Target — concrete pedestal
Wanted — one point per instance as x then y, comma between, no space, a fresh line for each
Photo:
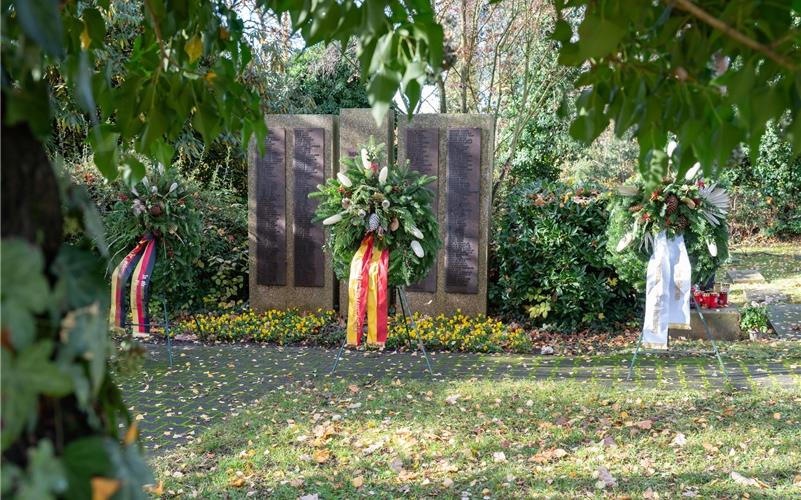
724,324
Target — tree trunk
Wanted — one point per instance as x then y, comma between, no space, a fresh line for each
30,195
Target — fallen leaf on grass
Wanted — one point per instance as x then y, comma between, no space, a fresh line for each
237,482
296,483
396,465
710,448
747,481
644,424
357,481
605,479
452,399
447,482
777,416
679,440
499,457
546,456
313,496
321,456
353,388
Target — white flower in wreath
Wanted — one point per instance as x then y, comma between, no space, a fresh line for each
382,176
417,249
385,204
332,220
625,241
344,179
366,159
416,233
173,187
713,248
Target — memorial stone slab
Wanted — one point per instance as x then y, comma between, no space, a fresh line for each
286,256
356,125
462,161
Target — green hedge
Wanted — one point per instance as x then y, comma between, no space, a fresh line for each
549,254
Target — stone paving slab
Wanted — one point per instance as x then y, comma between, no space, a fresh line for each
745,276
209,384
786,320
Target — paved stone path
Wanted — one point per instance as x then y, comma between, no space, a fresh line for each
786,320
209,384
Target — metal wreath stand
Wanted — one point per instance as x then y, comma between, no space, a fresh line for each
709,336
165,325
406,310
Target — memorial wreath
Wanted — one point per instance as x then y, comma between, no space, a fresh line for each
382,232
676,224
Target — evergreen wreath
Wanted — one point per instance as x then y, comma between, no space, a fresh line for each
688,207
390,201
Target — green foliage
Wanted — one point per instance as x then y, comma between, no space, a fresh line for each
766,190
183,59
548,250
754,318
666,67
394,194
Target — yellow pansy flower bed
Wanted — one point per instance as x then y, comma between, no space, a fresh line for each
458,332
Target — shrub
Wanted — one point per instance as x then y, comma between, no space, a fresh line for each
754,318
766,189
445,333
549,255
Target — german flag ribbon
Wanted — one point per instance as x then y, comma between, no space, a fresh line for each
367,293
138,263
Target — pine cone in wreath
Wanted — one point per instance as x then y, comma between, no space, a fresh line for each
682,223
372,222
635,208
672,203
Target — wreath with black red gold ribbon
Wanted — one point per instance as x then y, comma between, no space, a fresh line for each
382,233
391,202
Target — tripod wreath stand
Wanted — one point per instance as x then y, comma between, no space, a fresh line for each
408,317
709,336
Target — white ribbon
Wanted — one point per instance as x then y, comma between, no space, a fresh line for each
667,291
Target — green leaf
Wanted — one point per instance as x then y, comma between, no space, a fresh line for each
206,122
598,37
24,377
30,104
83,459
95,26
25,291
45,476
41,21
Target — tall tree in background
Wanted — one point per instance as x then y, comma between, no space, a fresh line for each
61,411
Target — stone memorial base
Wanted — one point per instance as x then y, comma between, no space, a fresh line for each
724,324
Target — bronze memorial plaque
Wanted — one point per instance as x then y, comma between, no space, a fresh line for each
271,210
309,171
462,237
422,151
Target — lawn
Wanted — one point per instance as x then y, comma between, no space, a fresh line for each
517,438
779,263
